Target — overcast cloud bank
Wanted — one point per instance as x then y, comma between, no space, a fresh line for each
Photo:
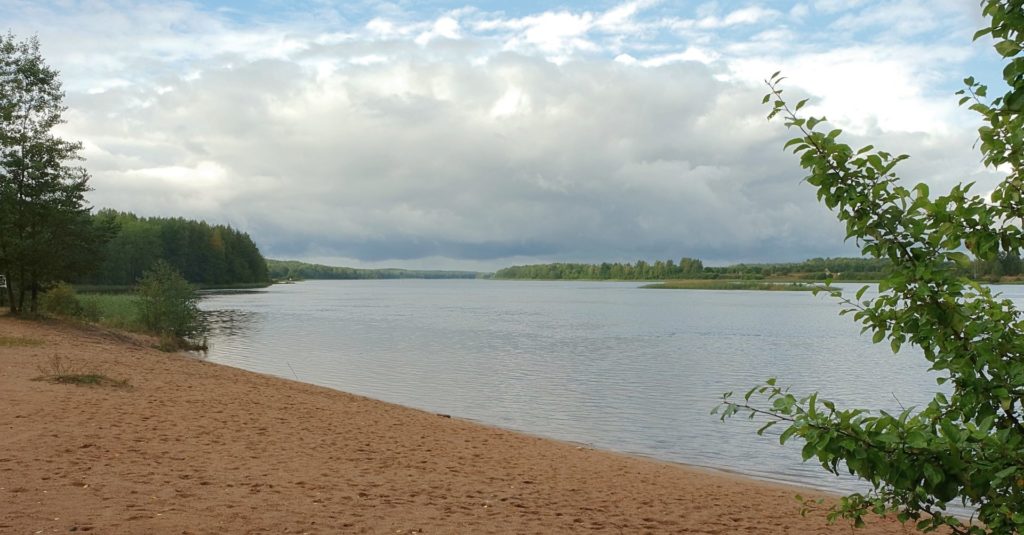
472,138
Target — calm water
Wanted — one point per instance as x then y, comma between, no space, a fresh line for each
606,364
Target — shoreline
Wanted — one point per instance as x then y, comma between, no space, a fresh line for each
197,447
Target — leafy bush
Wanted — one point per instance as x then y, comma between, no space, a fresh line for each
967,445
168,305
61,300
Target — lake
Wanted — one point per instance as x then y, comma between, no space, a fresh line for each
601,363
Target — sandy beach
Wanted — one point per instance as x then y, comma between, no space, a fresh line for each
194,447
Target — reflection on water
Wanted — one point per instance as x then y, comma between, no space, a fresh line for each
607,364
226,324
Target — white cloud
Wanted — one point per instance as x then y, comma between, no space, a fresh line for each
631,132
868,88
445,27
799,11
747,15
690,54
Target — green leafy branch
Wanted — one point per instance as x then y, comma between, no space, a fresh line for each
966,444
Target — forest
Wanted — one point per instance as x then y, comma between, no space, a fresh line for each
1006,268
692,268
282,270
205,254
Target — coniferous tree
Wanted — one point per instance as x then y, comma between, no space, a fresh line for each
46,233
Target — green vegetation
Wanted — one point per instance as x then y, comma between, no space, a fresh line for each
61,300
163,304
692,268
117,311
294,270
63,371
209,255
168,307
966,444
42,203
19,341
713,284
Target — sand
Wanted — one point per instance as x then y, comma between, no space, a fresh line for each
194,447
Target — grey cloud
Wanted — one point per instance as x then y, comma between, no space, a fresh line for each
434,153
598,159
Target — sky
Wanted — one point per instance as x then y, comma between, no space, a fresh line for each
476,135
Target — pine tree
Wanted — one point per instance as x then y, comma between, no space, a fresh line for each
45,230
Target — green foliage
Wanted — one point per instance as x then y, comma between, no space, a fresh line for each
119,311
967,445
45,230
61,300
19,341
208,255
294,270
168,305
692,268
667,269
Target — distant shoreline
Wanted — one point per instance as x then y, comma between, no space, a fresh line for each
714,284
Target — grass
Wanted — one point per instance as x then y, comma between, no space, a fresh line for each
63,371
716,284
129,288
121,311
118,311
19,341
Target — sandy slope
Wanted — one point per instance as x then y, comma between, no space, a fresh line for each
194,447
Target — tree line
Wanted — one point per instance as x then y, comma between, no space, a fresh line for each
1003,267
693,268
204,254
641,270
295,270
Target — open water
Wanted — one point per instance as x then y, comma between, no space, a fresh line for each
601,363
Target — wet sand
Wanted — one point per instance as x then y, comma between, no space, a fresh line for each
194,447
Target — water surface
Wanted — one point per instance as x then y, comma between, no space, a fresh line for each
607,364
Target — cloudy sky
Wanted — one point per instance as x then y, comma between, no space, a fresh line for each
483,134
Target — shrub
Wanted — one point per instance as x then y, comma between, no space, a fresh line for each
61,300
168,305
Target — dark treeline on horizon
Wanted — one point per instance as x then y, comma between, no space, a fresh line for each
641,270
205,254
840,269
295,270
692,268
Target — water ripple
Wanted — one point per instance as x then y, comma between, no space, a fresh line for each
605,364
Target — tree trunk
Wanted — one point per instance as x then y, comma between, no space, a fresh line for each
10,295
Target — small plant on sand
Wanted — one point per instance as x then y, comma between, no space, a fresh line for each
19,341
168,307
64,371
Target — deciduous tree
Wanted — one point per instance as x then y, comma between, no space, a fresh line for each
967,444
